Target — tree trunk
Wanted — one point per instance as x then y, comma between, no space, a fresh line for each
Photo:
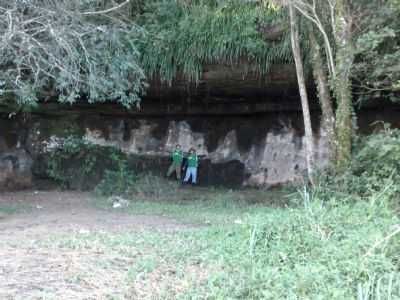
309,142
327,130
344,61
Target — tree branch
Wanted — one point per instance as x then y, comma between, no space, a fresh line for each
100,12
310,13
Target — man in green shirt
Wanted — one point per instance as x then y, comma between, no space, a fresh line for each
192,163
176,165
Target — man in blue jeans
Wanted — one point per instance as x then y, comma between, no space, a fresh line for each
192,165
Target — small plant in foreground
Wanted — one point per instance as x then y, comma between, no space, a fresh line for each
155,187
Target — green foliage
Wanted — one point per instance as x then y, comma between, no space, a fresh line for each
378,160
119,181
53,48
107,58
184,38
73,157
377,67
80,164
374,172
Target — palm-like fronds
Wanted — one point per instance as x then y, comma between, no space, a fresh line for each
183,39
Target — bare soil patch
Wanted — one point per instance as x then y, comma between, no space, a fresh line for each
30,271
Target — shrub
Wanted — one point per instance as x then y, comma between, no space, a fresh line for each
117,182
374,169
71,160
79,164
378,161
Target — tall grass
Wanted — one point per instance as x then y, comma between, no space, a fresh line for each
312,249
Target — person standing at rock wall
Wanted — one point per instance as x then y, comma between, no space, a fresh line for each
176,165
192,165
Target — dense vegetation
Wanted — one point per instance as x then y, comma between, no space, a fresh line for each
60,46
109,51
376,73
185,38
68,49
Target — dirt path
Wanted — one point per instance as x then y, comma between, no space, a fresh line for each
31,271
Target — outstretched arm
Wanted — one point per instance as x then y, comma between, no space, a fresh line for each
162,149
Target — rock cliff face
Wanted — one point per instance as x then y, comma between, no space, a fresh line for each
15,170
238,150
264,151
249,131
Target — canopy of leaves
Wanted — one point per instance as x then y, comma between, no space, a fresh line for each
59,48
183,38
68,50
377,68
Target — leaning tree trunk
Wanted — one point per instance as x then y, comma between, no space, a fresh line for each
327,129
309,142
344,62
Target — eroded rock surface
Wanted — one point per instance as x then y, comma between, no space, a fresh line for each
249,147
15,170
238,151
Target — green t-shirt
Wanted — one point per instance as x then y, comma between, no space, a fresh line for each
177,157
192,161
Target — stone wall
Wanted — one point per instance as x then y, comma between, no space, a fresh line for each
263,150
249,129
239,150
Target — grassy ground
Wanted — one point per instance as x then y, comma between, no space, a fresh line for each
254,245
197,243
200,205
13,208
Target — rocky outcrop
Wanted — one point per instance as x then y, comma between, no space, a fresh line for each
238,151
258,150
279,159
15,170
249,130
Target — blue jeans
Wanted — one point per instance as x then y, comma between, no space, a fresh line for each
191,171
